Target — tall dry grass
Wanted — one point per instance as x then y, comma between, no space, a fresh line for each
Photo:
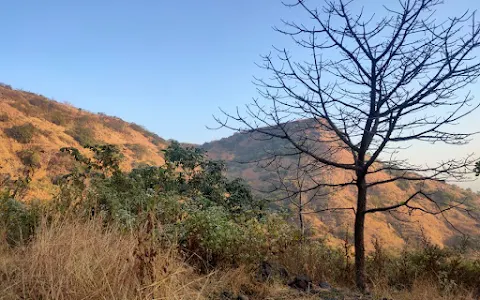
78,260
85,260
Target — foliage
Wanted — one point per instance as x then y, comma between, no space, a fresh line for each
17,220
214,221
58,117
106,159
205,210
30,157
83,134
22,133
429,263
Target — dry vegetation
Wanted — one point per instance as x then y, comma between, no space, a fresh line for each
30,121
158,233
85,260
195,249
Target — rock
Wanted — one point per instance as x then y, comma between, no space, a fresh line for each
324,285
301,282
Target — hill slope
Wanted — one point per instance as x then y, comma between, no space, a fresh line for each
34,128
391,229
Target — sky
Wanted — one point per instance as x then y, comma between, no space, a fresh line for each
167,65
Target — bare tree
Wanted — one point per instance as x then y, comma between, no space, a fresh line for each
299,188
370,85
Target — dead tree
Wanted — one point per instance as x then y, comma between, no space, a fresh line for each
298,187
371,85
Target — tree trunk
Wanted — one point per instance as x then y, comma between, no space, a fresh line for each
302,224
359,235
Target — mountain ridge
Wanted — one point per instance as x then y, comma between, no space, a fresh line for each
34,128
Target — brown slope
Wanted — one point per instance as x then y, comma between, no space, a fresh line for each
60,125
388,228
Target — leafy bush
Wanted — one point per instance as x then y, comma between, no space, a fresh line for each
18,220
212,235
22,133
215,221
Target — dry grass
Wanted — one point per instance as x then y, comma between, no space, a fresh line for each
86,261
423,291
77,260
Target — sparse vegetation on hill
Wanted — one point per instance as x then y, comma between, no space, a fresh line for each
22,133
30,157
139,150
184,230
54,125
153,137
82,133
193,213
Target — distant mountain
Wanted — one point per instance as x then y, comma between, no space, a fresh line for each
34,128
391,229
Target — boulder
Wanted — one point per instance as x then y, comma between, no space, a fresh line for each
324,285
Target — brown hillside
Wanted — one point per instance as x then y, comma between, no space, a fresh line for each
390,229
34,128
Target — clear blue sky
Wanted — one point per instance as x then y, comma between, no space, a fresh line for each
167,65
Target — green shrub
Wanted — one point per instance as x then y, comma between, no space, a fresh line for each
82,134
58,118
22,133
211,234
18,220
